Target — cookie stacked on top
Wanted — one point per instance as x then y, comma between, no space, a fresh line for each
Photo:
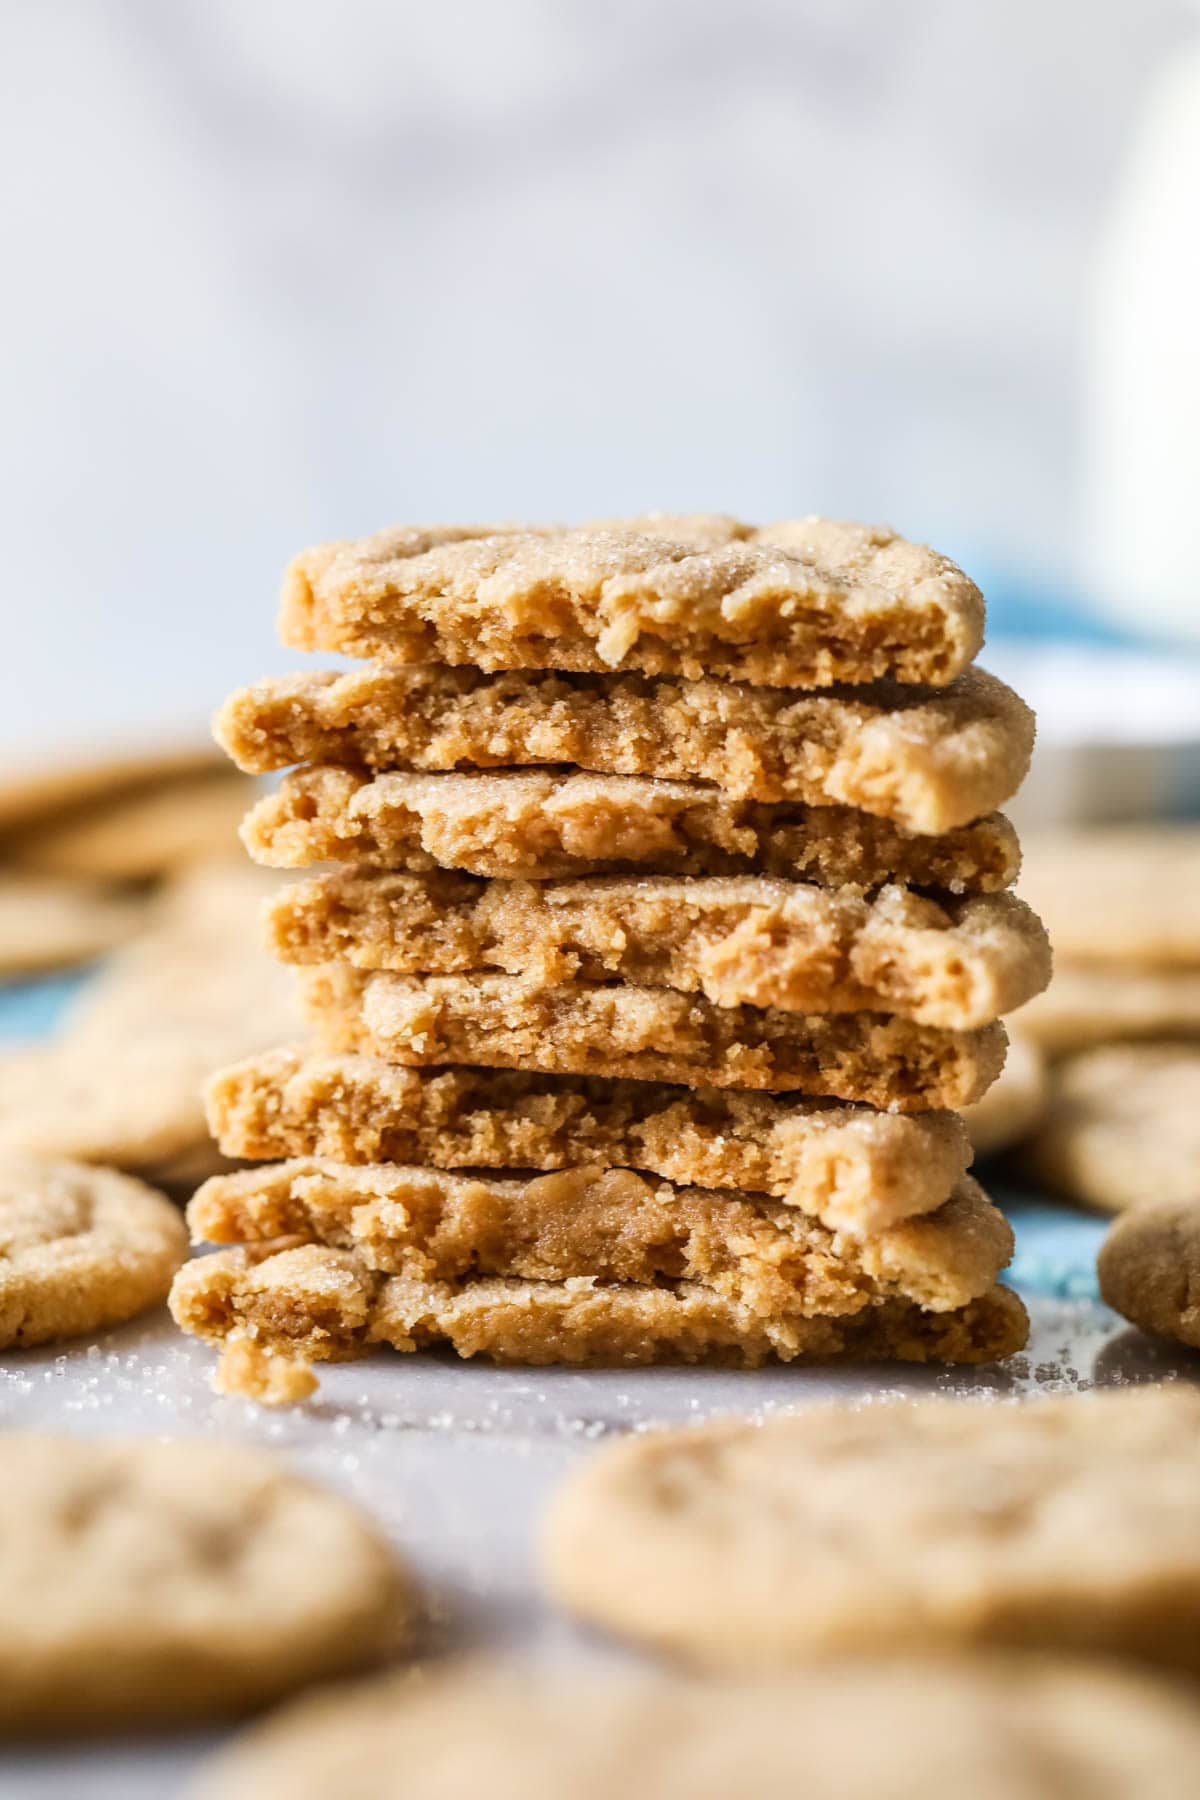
667,926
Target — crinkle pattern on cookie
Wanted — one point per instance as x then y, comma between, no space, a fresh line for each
80,1249
806,603
148,1582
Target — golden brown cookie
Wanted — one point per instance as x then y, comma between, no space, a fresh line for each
930,760
1122,1127
46,923
123,1081
324,1305
1015,1101
1070,1523
739,941
855,1169
806,603
610,1224
1149,1267
542,825
148,1582
1125,894
649,1034
1094,1003
139,834
32,795
80,1249
1013,1730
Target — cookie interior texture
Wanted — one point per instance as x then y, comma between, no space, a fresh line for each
929,759
805,603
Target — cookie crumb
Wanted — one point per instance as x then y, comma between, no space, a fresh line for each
246,1371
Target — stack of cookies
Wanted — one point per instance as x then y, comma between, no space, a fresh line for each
668,927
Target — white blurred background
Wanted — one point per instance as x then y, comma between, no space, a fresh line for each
278,270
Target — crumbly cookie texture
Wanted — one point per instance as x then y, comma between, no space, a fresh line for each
1092,1003
123,1082
47,922
1035,1728
326,1305
1149,1268
1014,1103
649,1034
930,760
1122,1127
1118,894
807,603
246,1371
148,1582
538,826
80,1249
139,835
857,1170
612,1224
1069,1523
744,940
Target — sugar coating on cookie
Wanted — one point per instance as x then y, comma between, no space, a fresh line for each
539,825
653,1034
855,1169
805,603
157,1582
738,940
1041,1729
931,760
609,1224
323,1304
1122,1126
1067,1523
81,1249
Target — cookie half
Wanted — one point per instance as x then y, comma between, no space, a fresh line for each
739,941
539,825
930,760
610,1224
649,1034
855,1169
319,1304
805,603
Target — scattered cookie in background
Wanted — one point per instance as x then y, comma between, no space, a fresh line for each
1069,1524
121,1082
50,923
148,1582
1149,1267
1015,1101
84,847
1121,1127
80,1249
1052,1730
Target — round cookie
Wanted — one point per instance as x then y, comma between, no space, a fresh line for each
1122,1127
46,923
1149,1268
146,1581
863,1731
1062,1523
1117,893
1014,1102
80,1249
